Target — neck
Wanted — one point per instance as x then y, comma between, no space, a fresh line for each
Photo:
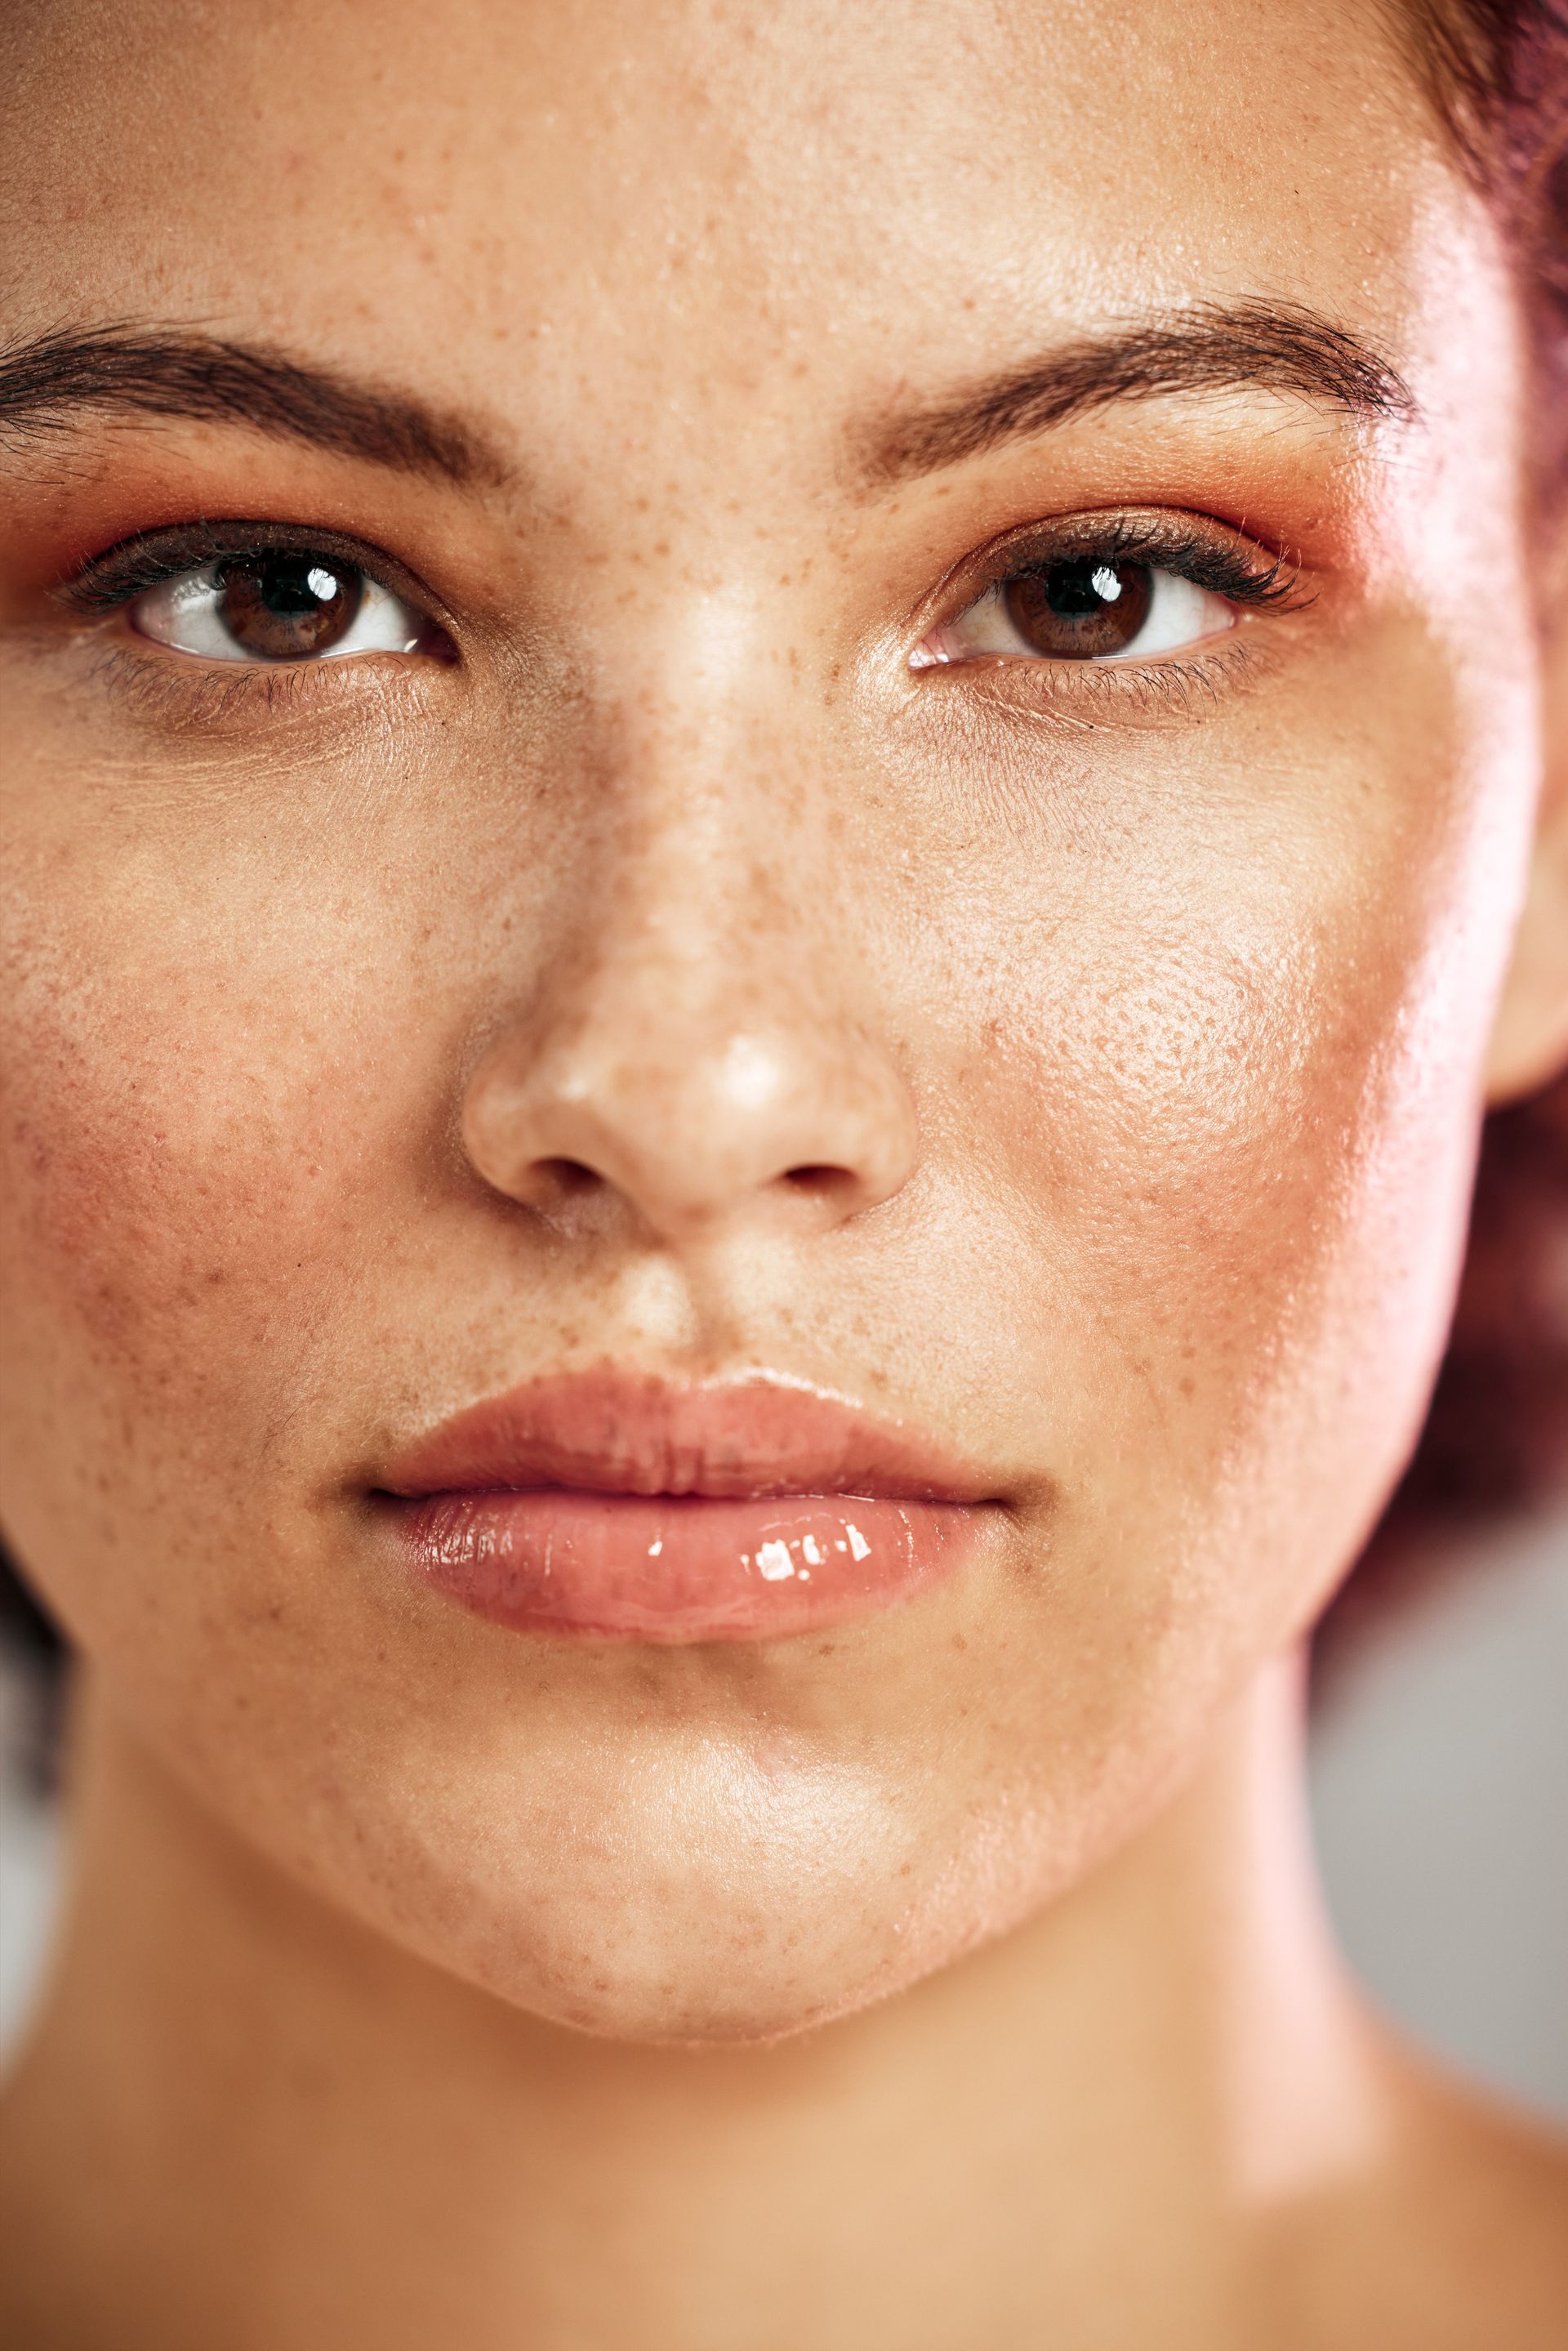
299,2134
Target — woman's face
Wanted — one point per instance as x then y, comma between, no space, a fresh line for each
934,809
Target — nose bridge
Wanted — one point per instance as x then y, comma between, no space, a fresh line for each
706,1042
715,873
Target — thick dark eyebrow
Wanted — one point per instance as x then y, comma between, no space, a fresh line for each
49,383
1275,347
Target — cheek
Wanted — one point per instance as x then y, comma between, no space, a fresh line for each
1217,1099
144,1173
1241,1103
178,1158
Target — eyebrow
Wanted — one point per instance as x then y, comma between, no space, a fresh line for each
1274,347
49,382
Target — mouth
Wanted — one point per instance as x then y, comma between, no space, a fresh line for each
606,1506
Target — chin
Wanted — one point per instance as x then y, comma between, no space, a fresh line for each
714,1904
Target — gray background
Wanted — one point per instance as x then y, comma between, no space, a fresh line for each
1439,1782
1439,1790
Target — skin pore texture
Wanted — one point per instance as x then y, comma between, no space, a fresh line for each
659,968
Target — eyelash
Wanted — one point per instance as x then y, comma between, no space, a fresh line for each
182,693
1241,572
115,579
1225,566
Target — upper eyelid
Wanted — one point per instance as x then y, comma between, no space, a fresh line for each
1169,530
188,547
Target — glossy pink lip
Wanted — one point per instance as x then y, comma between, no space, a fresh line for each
622,1507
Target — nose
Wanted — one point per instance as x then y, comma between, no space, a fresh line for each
690,1093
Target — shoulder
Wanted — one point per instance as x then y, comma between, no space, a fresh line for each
1460,2240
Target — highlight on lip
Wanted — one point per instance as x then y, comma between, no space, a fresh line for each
619,1508
674,1568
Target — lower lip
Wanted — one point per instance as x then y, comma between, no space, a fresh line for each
666,1568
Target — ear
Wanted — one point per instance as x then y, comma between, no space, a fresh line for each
1530,1040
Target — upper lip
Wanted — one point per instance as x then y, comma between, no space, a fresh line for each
755,1435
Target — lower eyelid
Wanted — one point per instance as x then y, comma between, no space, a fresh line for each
1169,688
185,697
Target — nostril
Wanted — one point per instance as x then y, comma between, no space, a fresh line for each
564,1179
681,1131
824,1183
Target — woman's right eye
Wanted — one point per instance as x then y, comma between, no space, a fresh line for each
277,604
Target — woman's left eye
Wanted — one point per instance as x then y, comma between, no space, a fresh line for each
1082,608
283,605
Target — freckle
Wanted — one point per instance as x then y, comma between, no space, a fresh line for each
959,1641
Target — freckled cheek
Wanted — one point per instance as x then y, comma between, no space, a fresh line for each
169,1237
1192,1128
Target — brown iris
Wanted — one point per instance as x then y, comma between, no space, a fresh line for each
1080,611
284,606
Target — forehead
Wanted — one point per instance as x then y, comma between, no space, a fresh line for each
682,204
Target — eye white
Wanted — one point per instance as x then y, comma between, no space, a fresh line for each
1180,613
186,613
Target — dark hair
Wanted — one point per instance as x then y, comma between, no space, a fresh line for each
1495,1438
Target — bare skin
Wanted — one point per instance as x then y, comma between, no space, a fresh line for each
956,1980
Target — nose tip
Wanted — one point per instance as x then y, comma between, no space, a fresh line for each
753,1124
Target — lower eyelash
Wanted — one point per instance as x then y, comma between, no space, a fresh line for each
182,695
1087,695
192,695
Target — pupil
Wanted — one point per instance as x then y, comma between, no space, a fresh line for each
1079,590
287,605
1080,611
